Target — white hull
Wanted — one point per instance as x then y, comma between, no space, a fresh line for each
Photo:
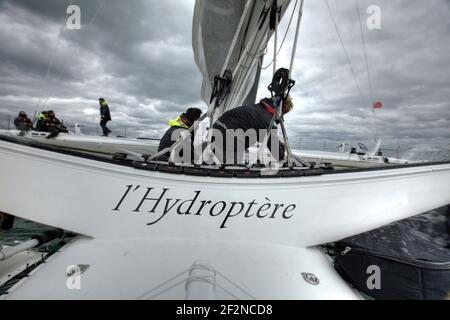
86,143
79,195
262,250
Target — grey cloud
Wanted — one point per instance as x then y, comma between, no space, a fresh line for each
138,55
409,65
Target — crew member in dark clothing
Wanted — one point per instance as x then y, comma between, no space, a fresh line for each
40,121
22,122
105,116
53,125
255,117
177,126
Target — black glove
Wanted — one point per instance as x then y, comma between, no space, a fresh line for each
282,150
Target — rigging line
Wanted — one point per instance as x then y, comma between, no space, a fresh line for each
245,56
50,64
94,17
367,67
284,38
365,50
349,62
243,61
234,44
102,4
297,32
275,40
75,52
247,7
212,107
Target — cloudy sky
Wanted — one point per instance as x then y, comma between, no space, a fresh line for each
138,55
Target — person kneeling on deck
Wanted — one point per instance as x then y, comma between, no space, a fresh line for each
22,122
245,126
177,127
53,125
40,121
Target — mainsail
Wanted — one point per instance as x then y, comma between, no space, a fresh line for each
233,35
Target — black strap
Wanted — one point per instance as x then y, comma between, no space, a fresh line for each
222,87
273,15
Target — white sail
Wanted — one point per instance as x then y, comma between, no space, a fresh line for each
216,24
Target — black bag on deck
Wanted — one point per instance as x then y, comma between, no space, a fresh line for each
413,257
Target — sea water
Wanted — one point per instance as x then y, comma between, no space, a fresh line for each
23,230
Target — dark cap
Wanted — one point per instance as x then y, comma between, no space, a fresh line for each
193,114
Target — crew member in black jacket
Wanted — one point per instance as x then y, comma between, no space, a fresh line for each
256,117
105,116
53,125
22,122
182,123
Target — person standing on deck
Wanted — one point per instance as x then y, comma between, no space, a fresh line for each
105,116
